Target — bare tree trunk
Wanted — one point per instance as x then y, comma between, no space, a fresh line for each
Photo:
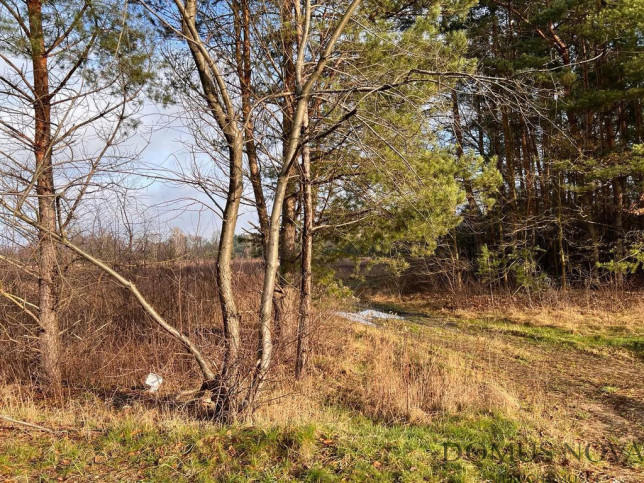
618,201
50,342
288,234
288,251
560,236
241,11
457,276
284,290
256,182
303,90
304,325
509,172
225,387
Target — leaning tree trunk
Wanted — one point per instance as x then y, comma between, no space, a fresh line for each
50,343
265,348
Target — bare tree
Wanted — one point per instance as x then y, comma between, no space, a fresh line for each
61,118
306,262
234,104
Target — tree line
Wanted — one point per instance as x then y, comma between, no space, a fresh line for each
569,208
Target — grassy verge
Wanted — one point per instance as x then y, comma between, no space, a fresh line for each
594,336
351,447
592,341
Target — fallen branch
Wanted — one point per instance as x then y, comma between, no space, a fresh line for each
28,425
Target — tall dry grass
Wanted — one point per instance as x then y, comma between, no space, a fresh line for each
387,374
110,345
108,340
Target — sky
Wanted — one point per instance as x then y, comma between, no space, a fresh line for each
163,141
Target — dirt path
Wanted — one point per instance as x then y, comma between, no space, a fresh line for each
591,396
604,392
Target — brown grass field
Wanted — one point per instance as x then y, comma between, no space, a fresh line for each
539,388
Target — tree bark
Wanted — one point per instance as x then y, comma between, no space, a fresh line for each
50,340
226,386
241,11
288,244
226,397
303,92
560,236
304,325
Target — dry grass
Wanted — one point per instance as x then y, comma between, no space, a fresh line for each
405,381
110,345
387,375
366,388
575,310
490,363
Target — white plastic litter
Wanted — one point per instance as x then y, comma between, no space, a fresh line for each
366,317
153,381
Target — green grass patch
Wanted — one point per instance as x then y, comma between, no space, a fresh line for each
593,342
353,448
594,339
